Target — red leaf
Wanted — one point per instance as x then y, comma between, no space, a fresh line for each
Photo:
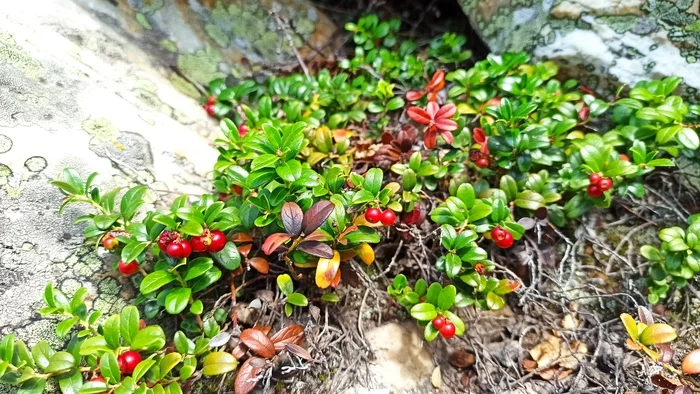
418,115
447,111
479,135
430,139
413,95
446,124
316,216
274,241
290,334
432,97
447,136
292,217
437,82
258,342
248,376
316,248
260,264
298,351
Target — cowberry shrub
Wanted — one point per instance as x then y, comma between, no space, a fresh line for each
313,171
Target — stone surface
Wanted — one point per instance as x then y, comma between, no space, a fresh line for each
603,43
402,362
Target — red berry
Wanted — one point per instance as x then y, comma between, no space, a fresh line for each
174,250
130,360
109,242
438,322
505,242
595,191
583,114
98,379
498,234
482,162
624,157
186,249
373,215
237,189
128,269
218,241
200,243
480,269
242,129
448,330
606,184
210,109
413,217
388,217
594,178
211,100
142,324
121,363
496,101
165,239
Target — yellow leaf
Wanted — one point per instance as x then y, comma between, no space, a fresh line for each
466,109
366,253
574,135
657,333
630,325
327,269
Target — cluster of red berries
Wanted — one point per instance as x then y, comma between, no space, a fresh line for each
444,326
173,245
599,185
209,107
501,237
374,215
212,241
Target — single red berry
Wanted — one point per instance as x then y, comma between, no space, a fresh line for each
237,189
142,324
413,217
121,363
224,196
373,215
495,102
595,191
482,162
210,109
606,184
242,129
624,157
165,239
448,330
98,379
174,250
438,322
218,241
506,242
200,243
186,249
211,100
128,269
583,114
388,217
109,242
130,360
594,178
498,234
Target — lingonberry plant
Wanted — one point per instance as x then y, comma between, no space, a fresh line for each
314,170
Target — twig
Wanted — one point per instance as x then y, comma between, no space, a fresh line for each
283,26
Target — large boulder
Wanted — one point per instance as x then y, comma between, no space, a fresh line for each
85,85
603,43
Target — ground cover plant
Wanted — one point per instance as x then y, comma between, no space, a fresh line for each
401,143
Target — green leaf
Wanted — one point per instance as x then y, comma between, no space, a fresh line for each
191,228
500,211
593,156
373,180
264,161
109,368
656,334
453,265
494,302
197,267
132,201
459,324
289,171
395,103
93,388
447,297
479,211
197,307
183,344
71,384
111,331
32,386
651,253
142,368
509,186
218,363
284,282
363,234
60,361
423,311
155,280
151,338
330,297
129,323
430,332
42,353
169,362
93,346
104,222
228,257
177,300
689,138
132,250
666,134
297,299
529,200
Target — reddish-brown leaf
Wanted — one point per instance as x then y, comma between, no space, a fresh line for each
437,82
245,249
413,95
318,236
265,329
260,264
430,138
290,334
316,216
292,217
447,136
419,115
248,376
258,342
239,351
316,248
241,237
298,351
446,111
274,241
479,135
